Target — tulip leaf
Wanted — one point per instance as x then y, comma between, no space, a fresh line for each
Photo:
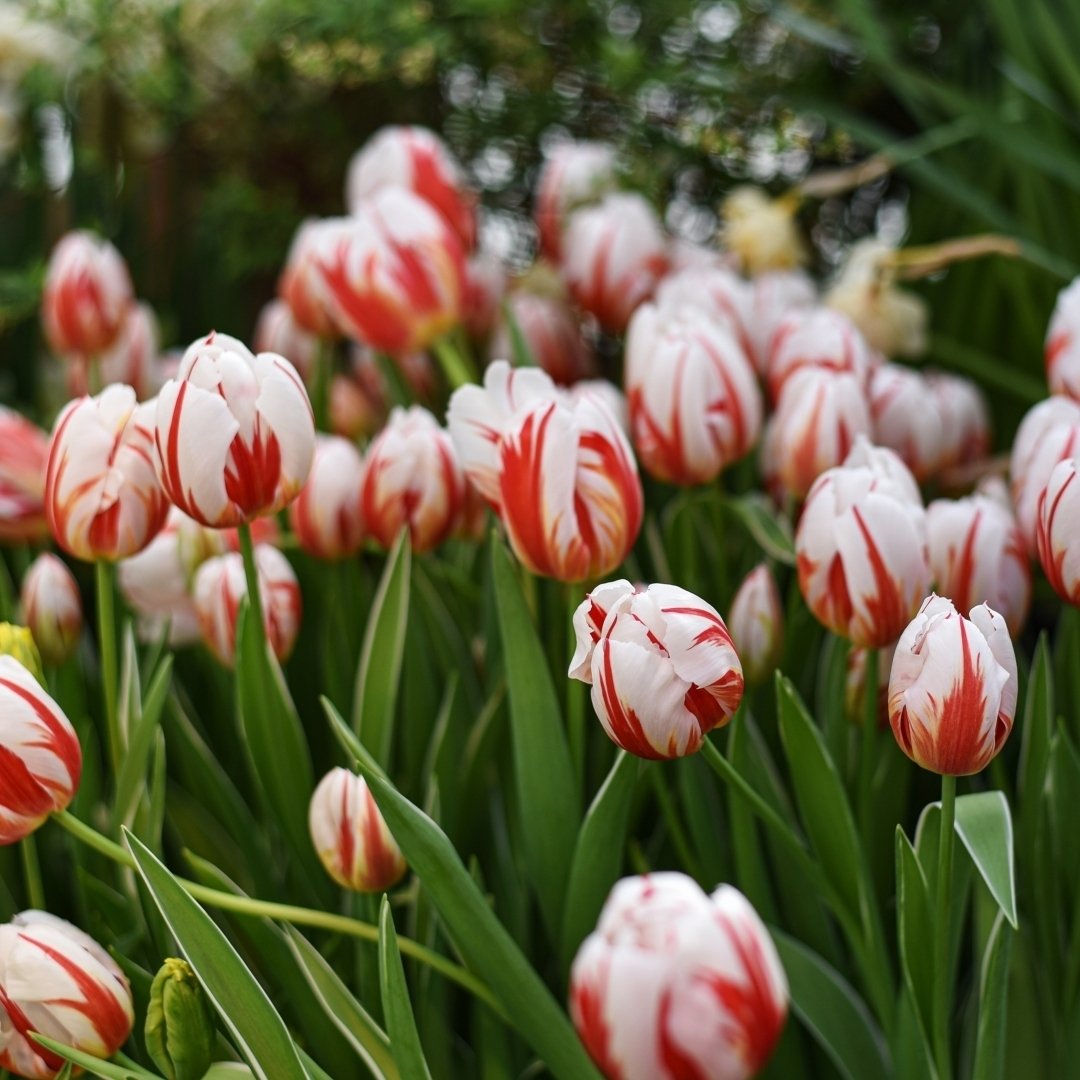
522,355
993,996
400,1022
107,1070
1035,736
916,933
984,824
253,1022
771,532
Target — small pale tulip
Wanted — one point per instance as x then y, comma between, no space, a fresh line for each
761,232
756,622
965,420
907,420
133,357
326,517
552,334
278,332
52,608
574,174
817,338
301,284
24,452
1058,530
1062,348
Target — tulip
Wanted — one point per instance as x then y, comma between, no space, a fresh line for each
675,984
24,451
18,642
52,608
756,622
614,254
761,232
1057,539
485,285
558,471
301,284
102,496
1062,350
180,1032
817,338
965,421
277,331
57,981
40,758
952,691
132,357
574,174
234,432
906,418
416,159
219,588
326,517
353,411
551,333
350,835
695,407
661,664
888,467
607,394
686,254
86,295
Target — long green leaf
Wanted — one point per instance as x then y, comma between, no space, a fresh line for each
916,934
993,997
984,824
1035,736
400,1022
771,531
107,1070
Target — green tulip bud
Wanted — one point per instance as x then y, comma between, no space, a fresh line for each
18,642
180,1028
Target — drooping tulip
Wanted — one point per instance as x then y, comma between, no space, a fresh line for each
326,517
661,664
24,452
133,356
276,331
1062,349
552,334
1057,535
761,232
52,607
756,622
817,338
574,174
301,284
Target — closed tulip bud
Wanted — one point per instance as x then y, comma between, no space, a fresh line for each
18,643
52,608
1057,535
278,332
86,295
557,470
552,334
817,338
414,158
1062,350
661,664
24,452
180,1031
574,174
301,284
965,420
761,232
326,517
906,418
952,691
350,835
412,480
133,357
59,982
234,433
102,495
614,255
1050,433
695,406
756,622
675,983
485,286
219,588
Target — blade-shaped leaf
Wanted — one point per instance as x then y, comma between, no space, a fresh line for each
107,1070
400,1022
772,533
993,997
984,824
916,933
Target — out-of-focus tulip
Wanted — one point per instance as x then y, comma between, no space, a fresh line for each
395,277
690,255
817,338
1062,350
417,159
350,835
614,254
695,406
887,466
661,664
761,232
551,333
353,411
219,588
180,1032
1058,530
855,684
608,395
326,517
56,980
301,284
674,984
756,622
24,452
102,496
132,358
40,758
278,332
485,286
86,295
18,643
574,174
965,420
234,432
557,470
952,691
906,418
52,608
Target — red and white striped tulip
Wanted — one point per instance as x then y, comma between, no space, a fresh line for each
695,406
965,419
557,470
607,394
485,287
40,757
1057,538
234,433
952,691
219,588
888,467
131,359
350,835
414,158
301,284
1062,350
661,664
102,495
412,479
756,622
761,232
906,418
674,984
614,255
52,608
326,517
817,338
24,453
552,334
277,331
86,295
574,174
57,981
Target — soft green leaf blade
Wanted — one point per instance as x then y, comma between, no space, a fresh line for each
916,934
1035,736
984,824
993,1000
400,1022
107,1070
771,532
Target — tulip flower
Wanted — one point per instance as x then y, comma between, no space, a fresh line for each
695,407
86,295
40,757
350,835
907,420
132,358
301,284
354,412
606,394
761,232
574,174
557,470
24,451
414,158
552,334
59,982
965,420
412,479
952,691
485,285
234,433
103,500
674,983
326,517
661,664
277,331
817,338
220,586
1057,538
756,622
52,608
614,254
1062,350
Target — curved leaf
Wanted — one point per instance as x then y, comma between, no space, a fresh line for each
984,824
400,1022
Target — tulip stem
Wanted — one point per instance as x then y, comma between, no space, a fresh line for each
106,610
251,573
453,363
321,375
868,755
942,989
35,891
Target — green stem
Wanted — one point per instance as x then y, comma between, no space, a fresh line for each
321,375
456,368
396,387
251,573
106,608
35,891
868,756
670,813
942,926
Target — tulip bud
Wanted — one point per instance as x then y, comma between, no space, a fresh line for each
350,835
557,470
574,174
24,451
675,983
102,497
952,691
485,284
326,517
817,338
756,622
661,664
301,286
180,1030
1057,539
52,608
57,981
278,332
234,432
552,334
761,232
18,643
1062,350
965,421
132,357
907,420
